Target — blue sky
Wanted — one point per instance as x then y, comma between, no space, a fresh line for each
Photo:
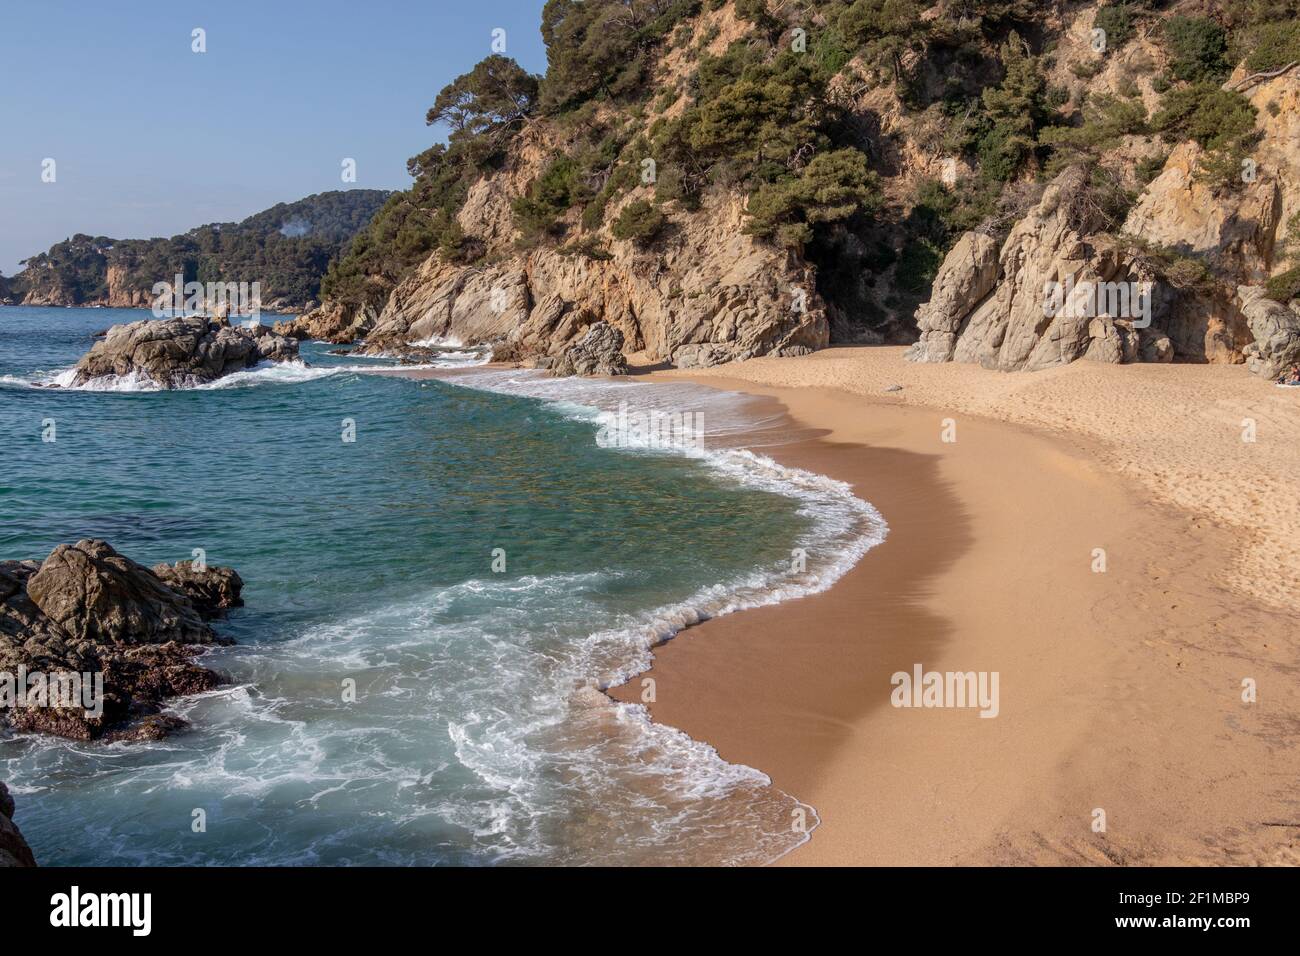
152,139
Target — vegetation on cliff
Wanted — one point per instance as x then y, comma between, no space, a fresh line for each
285,248
864,135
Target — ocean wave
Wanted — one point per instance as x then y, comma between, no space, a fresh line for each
843,526
450,354
536,762
264,373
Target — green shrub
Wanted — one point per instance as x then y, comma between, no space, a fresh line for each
1273,45
1014,110
1117,20
639,221
1215,118
549,196
1106,121
1198,49
1284,286
833,187
918,264
884,30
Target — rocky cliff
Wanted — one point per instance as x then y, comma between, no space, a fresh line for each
1205,248
706,293
719,180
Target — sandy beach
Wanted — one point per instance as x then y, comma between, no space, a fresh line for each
1122,736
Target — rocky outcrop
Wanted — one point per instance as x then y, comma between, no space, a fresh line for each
703,292
335,322
1235,235
968,274
14,850
182,352
1233,232
120,293
1276,331
710,295
598,352
87,610
212,590
1035,304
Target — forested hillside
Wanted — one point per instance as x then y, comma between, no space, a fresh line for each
285,248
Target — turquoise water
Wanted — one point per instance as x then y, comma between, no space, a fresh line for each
478,733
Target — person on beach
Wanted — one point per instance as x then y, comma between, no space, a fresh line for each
1292,377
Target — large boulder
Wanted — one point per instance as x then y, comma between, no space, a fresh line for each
182,352
14,850
94,594
598,352
1000,314
1276,330
968,274
88,610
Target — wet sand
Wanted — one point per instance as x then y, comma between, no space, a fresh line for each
1122,736
1120,690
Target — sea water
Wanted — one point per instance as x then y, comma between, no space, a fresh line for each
432,609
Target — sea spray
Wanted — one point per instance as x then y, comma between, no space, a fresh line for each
475,730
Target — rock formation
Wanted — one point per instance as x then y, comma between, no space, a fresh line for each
598,352
997,307
88,610
334,323
710,294
182,352
988,305
212,591
1276,331
14,850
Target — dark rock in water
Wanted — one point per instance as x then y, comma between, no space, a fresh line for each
92,593
181,352
598,352
14,850
212,591
146,729
121,629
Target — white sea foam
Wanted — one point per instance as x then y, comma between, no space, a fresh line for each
537,748
843,529
264,373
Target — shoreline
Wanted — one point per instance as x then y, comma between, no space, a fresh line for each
1120,690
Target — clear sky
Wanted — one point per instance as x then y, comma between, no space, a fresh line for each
150,138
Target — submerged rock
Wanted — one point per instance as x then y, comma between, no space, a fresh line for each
14,850
181,352
87,610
